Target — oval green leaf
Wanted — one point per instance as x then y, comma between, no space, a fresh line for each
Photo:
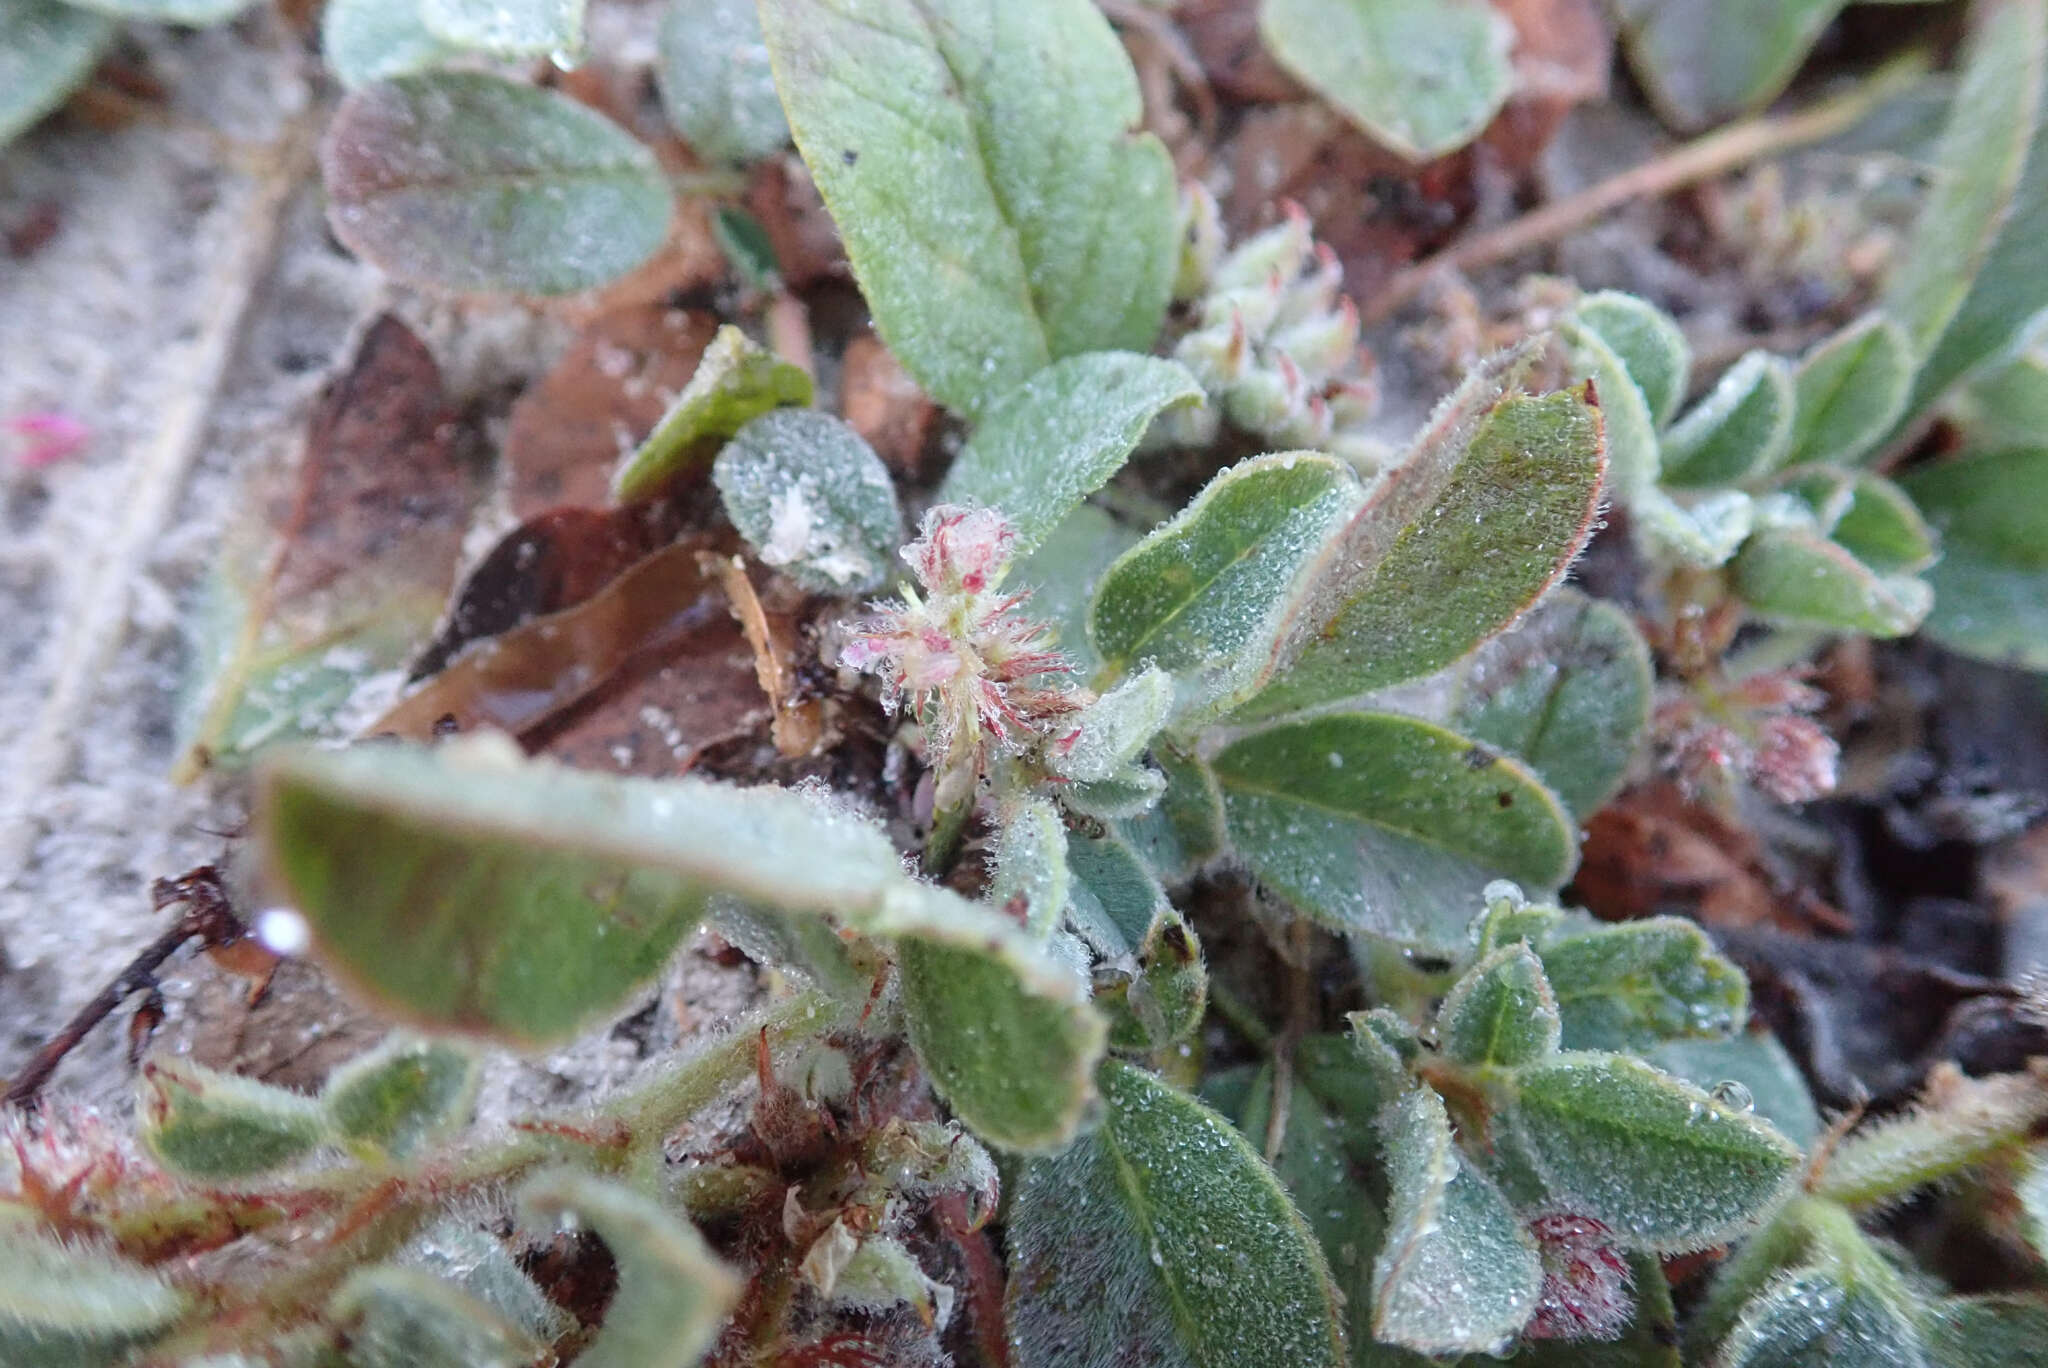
1703,63
1991,584
71,1306
715,80
1652,351
1501,1013
401,1095
1630,986
466,182
47,49
220,1127
735,382
364,41
1741,428
508,28
813,500
1798,576
1850,389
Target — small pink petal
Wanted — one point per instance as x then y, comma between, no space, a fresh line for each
48,438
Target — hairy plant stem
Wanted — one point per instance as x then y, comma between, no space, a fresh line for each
942,847
1701,159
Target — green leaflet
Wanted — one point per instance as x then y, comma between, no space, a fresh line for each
1160,1001
1799,576
466,182
47,49
1814,1316
1634,453
1850,389
1458,1271
1869,517
401,1094
364,41
1760,1065
406,1318
1184,829
1661,1163
1115,729
736,382
1567,690
1423,77
71,1306
1030,864
812,499
673,1295
509,28
1995,128
1057,438
978,159
1741,428
1972,1122
1986,1332
1646,340
1979,157
1142,1243
1116,900
1501,1013
457,1251
2004,407
1456,543
1203,596
1704,532
1630,986
715,80
218,1127
1383,823
1702,64
1991,584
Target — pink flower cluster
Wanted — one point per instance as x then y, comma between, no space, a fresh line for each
1586,1282
968,664
1759,730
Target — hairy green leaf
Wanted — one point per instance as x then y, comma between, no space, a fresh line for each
1383,823
978,159
1812,1316
1423,77
2000,256
1116,900
736,382
1184,830
1850,389
364,41
715,80
457,1251
1057,438
401,1094
406,1318
813,500
1759,1065
1703,63
1991,584
1458,1273
1742,427
1116,728
469,891
672,1296
1634,449
1030,854
1204,595
1704,532
468,182
71,1306
1502,1012
1457,542
1567,690
2000,1331
1162,1003
1063,572
47,49
1632,985
1646,340
1978,161
508,28
1869,517
1799,576
1961,1123
1660,1162
220,1127
1141,1242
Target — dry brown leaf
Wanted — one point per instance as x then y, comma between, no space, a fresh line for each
884,405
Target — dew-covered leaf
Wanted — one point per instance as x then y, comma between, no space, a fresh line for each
401,1095
1142,1241
1057,438
1996,130
1704,532
1453,546
735,383
188,13
47,49
979,161
469,182
715,80
1183,830
1423,77
1740,428
1062,575
407,1318
1634,449
340,568
1850,389
672,1296
812,499
1652,351
1704,63
1030,881
1116,728
1567,690
1798,576
65,1305
1129,792
1869,517
1998,1331
1384,823
1502,1012
1203,597
1458,1272
1631,985
458,1251
219,1127
364,41
508,28
1160,1002
1815,1316
1991,584
1759,1065
1961,1122
469,891
1658,1161
1977,167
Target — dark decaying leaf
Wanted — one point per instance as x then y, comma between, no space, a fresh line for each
338,573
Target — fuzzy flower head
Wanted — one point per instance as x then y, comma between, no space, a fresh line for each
961,656
1759,730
